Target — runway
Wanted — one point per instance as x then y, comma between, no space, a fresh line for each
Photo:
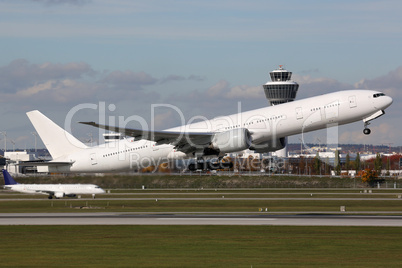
195,219
222,198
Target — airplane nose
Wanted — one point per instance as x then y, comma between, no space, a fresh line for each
388,101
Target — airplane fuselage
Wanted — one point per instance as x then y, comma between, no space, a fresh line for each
62,189
265,125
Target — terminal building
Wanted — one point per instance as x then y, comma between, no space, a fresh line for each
12,159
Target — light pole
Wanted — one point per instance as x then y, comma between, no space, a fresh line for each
35,135
301,146
301,152
319,144
5,141
90,137
13,142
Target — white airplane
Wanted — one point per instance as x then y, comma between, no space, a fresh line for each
261,130
56,190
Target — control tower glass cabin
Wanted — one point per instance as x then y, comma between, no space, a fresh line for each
280,89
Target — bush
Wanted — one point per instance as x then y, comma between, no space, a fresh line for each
370,177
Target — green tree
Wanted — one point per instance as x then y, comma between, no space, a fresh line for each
357,163
347,163
327,168
317,164
378,163
337,164
388,165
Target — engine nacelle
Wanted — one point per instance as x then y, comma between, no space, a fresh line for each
270,146
59,194
232,140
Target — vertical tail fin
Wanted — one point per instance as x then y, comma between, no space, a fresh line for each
57,141
8,180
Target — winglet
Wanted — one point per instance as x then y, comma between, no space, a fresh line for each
8,180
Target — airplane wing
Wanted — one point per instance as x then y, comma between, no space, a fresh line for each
183,141
45,192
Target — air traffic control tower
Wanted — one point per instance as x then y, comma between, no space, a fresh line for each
280,90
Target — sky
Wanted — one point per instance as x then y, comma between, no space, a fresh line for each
175,60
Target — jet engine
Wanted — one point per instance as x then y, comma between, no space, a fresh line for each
270,146
229,141
59,194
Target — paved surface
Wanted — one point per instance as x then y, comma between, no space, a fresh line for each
197,219
209,199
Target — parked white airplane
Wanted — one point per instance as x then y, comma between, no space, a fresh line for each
56,190
261,130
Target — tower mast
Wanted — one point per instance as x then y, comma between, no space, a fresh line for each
280,89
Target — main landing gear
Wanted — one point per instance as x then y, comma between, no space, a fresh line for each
211,164
366,130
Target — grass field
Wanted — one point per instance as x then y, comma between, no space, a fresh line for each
166,181
209,200
205,246
251,206
199,246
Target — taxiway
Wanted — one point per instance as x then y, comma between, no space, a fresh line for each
195,219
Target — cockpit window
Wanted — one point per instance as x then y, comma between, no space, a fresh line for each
378,95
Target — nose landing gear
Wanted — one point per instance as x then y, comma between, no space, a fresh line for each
366,130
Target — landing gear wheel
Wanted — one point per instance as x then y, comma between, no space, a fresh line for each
50,197
366,131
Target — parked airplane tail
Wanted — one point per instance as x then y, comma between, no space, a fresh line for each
8,180
57,141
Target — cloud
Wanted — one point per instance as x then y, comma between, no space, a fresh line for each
59,87
310,86
218,89
59,91
66,83
381,134
223,90
48,85
173,77
20,74
128,80
216,100
24,86
246,92
389,83
62,2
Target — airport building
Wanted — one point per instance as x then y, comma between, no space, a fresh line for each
14,158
